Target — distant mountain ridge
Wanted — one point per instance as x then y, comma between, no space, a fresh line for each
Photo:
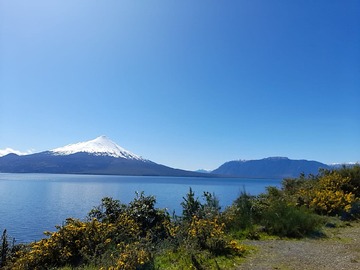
103,156
272,167
98,156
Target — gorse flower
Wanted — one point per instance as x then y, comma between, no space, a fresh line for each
329,195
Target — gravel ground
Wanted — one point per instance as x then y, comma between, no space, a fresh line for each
339,250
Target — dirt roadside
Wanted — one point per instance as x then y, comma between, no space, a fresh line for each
339,250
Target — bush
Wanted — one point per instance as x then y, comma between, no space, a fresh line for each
4,249
273,211
133,256
191,206
108,211
353,173
199,237
121,239
330,195
152,221
208,234
242,212
74,243
287,220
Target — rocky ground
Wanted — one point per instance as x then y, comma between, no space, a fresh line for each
340,249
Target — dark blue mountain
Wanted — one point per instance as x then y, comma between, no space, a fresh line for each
85,163
273,167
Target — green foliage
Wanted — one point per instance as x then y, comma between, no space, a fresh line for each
142,210
4,249
199,245
353,173
8,250
74,243
191,206
286,220
329,193
201,236
211,208
273,212
330,196
141,236
244,211
292,186
108,211
181,259
120,239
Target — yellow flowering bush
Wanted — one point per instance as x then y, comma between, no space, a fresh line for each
131,256
204,228
209,234
236,247
73,244
120,237
330,196
77,242
170,228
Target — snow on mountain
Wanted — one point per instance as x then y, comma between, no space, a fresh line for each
101,146
345,163
6,151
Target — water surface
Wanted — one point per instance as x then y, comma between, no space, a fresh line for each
33,203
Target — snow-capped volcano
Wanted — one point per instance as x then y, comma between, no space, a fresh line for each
101,146
98,156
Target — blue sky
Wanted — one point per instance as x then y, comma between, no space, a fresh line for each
188,84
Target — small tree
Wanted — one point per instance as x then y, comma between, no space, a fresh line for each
151,220
211,208
191,206
4,249
143,210
108,211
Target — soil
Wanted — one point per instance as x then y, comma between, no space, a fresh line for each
339,249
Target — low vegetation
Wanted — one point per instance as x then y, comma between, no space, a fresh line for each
140,236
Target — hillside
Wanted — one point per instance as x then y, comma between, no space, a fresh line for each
273,167
98,156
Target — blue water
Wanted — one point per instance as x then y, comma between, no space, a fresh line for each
33,203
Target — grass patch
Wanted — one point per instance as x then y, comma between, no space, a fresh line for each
182,259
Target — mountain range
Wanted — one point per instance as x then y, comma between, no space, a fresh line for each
98,156
103,156
272,167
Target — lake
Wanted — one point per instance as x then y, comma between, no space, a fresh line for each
33,203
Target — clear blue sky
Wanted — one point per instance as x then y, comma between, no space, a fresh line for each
188,84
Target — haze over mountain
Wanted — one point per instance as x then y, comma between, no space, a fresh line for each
98,156
272,167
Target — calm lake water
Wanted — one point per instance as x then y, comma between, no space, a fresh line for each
33,203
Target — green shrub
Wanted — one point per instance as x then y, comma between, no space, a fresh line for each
191,206
286,220
353,173
4,249
211,208
108,211
151,220
330,195
244,211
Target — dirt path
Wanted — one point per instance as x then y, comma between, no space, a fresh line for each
340,250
